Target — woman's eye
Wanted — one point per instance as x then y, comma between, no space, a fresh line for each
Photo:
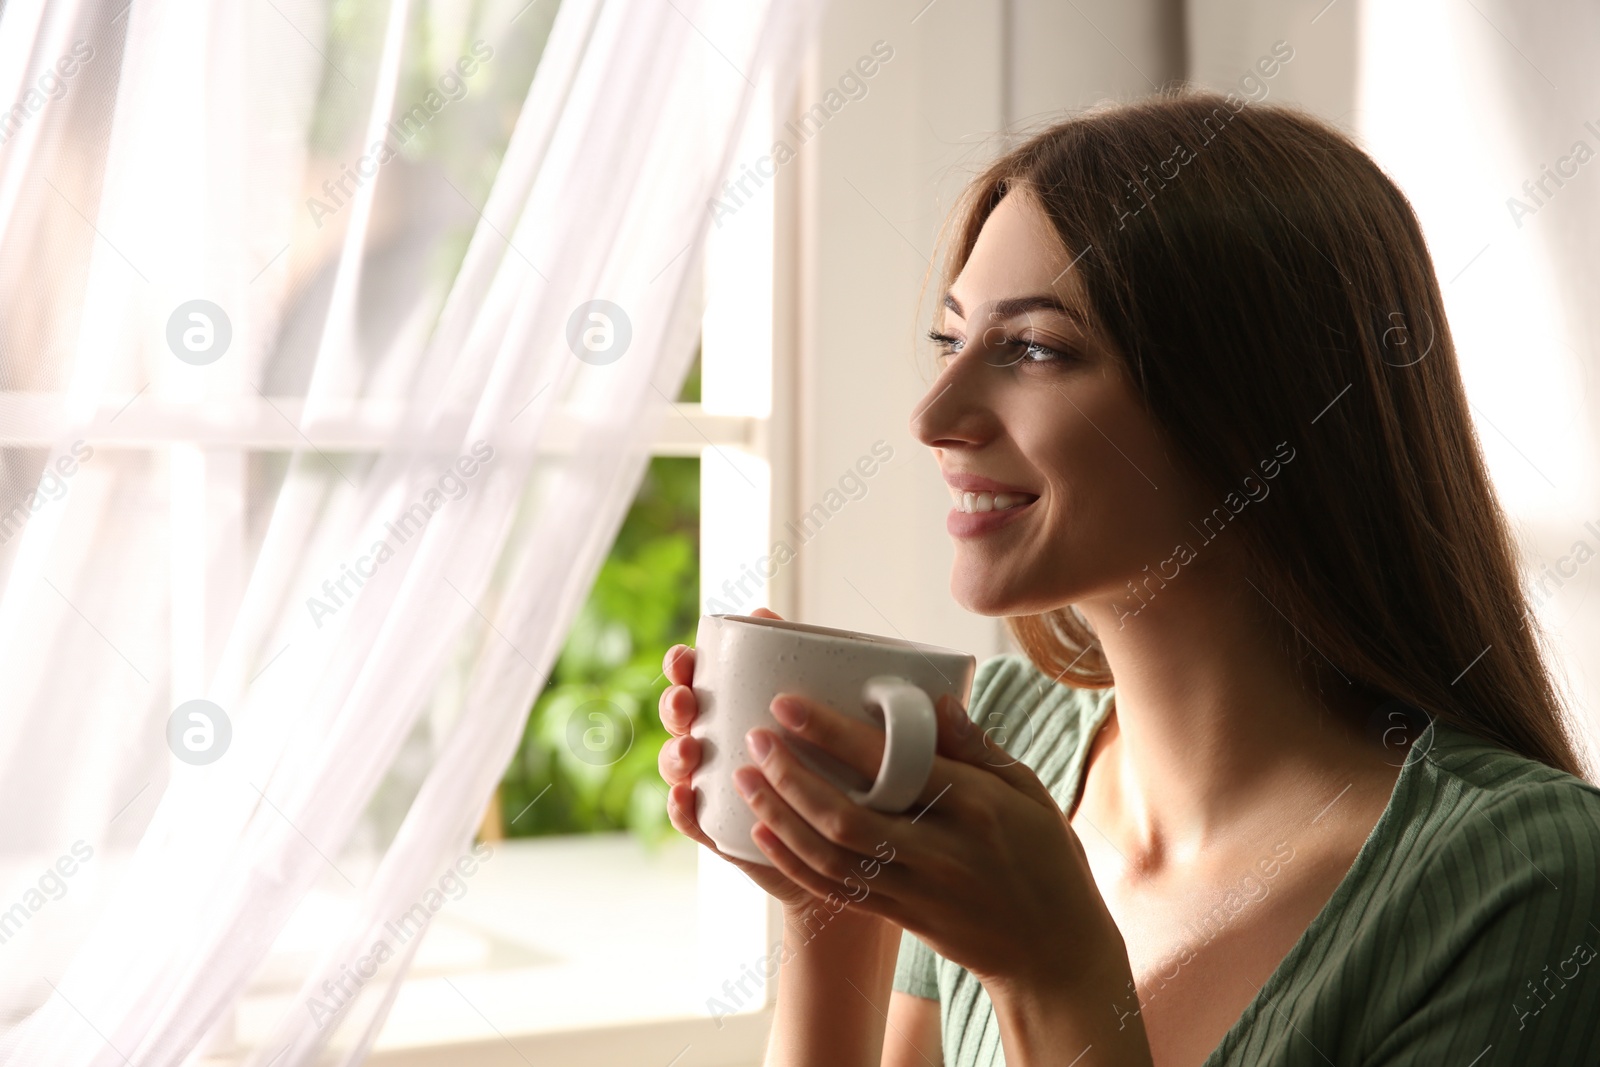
1034,352
948,345
1019,350
1005,352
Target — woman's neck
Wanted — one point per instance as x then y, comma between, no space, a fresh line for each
1212,727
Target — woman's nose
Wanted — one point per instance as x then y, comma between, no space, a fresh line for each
952,413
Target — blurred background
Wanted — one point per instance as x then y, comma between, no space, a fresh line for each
789,269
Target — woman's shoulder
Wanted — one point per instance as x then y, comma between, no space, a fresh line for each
1470,920
1476,815
1474,789
1489,896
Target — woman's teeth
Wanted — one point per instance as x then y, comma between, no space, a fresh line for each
972,502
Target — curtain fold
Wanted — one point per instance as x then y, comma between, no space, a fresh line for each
463,441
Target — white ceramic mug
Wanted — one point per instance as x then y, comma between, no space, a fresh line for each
742,662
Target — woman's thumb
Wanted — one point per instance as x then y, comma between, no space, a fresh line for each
959,738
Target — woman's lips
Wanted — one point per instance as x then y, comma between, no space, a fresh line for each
977,523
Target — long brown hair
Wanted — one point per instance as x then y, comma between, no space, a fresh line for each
1266,282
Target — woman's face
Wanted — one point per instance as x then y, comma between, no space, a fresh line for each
1072,492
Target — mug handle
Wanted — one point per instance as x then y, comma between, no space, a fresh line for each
911,737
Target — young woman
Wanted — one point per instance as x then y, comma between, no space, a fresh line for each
1200,413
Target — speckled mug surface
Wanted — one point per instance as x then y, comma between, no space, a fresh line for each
742,662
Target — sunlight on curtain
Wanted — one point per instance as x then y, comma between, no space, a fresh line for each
335,336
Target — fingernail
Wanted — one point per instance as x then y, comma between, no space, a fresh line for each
745,783
758,743
789,711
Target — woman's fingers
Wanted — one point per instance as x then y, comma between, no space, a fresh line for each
980,748
851,741
807,858
681,813
677,701
967,755
678,709
860,744
792,866
678,760
813,816
678,665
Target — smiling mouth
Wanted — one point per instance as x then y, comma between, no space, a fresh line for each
974,503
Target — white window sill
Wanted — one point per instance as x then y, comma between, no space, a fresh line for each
562,950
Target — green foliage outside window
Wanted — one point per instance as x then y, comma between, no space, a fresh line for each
588,753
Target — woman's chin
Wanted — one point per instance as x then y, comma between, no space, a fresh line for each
986,591
982,594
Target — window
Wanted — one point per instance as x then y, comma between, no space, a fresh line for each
580,931
567,928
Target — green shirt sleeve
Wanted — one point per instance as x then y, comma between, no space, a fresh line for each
1501,964
914,969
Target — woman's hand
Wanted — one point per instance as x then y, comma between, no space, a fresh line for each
984,867
678,760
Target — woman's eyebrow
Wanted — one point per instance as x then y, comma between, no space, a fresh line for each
1021,305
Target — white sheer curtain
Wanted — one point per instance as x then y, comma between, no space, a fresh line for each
180,518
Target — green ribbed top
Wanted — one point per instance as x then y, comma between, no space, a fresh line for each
1465,933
